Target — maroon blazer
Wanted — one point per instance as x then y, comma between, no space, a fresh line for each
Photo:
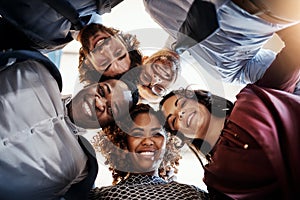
257,155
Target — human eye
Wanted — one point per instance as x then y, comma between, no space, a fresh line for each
158,134
118,52
106,41
109,111
174,123
183,103
102,42
145,77
122,57
107,68
101,90
137,134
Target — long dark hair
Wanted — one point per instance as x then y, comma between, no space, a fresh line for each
217,106
111,141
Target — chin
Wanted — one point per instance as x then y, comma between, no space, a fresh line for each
147,94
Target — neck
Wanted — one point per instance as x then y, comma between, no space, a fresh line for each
69,111
216,125
150,173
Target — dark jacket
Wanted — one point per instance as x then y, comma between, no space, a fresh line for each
42,24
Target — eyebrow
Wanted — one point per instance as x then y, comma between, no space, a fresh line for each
122,57
176,102
154,129
107,68
107,87
168,117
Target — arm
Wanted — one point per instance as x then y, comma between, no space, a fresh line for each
284,72
188,22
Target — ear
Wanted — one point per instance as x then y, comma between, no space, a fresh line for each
144,59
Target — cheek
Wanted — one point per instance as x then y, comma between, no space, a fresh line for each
166,84
132,144
160,143
123,65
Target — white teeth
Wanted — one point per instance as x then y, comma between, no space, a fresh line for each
87,108
189,119
99,42
147,153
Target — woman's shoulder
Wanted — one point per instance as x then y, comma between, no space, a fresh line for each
192,191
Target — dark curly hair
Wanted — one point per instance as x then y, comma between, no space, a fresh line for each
112,141
88,75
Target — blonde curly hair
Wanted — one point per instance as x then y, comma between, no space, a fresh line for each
112,141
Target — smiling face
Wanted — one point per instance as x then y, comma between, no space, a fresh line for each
99,104
187,116
157,76
158,73
108,55
146,144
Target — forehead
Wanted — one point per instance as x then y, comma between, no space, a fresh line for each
111,83
169,103
146,119
118,90
171,100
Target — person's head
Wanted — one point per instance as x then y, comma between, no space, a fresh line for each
100,104
189,111
106,53
158,73
138,144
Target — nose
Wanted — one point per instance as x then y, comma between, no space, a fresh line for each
155,79
147,141
100,103
180,114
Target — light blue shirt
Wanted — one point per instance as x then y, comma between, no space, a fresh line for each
234,49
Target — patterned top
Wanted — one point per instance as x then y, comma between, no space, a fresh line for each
148,187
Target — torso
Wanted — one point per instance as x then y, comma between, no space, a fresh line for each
248,161
148,187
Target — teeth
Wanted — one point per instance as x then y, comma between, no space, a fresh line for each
189,119
99,42
87,109
147,153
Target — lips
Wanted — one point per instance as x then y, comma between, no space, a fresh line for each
98,42
146,154
88,108
189,119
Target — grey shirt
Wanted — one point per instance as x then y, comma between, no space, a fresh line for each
40,156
